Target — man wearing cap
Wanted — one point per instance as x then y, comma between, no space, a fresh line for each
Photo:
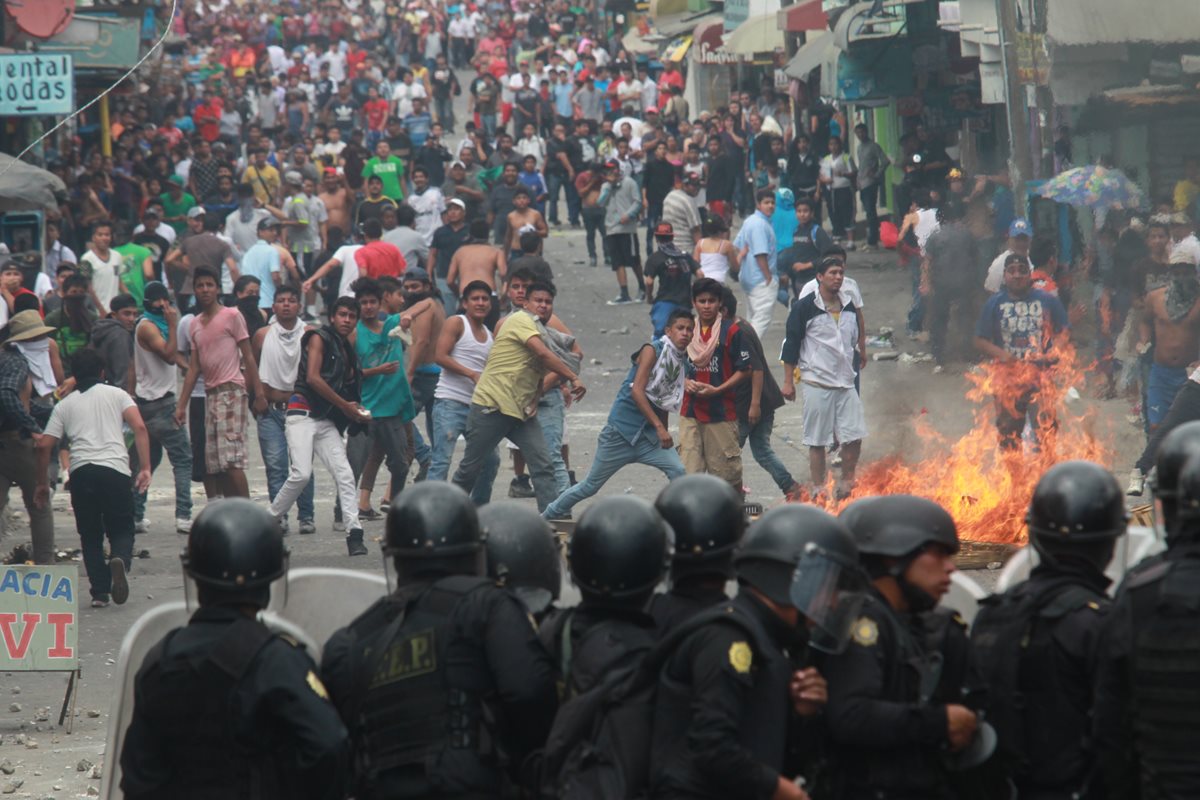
623,205
1183,238
20,432
176,203
263,262
388,169
371,207
1020,234
464,188
675,269
376,257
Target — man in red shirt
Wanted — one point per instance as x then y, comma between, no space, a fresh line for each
207,116
377,258
376,111
670,77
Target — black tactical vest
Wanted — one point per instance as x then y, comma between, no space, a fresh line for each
417,702
188,701
764,723
339,369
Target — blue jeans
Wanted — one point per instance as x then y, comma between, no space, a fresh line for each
273,444
551,413
159,416
760,447
614,451
916,314
444,109
555,182
449,422
489,125
423,384
659,313
1165,383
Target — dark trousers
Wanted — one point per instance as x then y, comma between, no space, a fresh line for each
103,506
870,202
1012,415
946,304
555,184
593,223
841,210
1185,408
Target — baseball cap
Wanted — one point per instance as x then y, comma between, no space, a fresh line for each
612,164
454,164
1178,256
1020,227
196,211
457,202
415,274
175,179
292,176
269,222
664,231
651,110
331,170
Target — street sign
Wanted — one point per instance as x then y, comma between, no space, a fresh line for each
39,618
36,84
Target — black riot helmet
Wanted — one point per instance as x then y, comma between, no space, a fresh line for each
1176,448
705,513
433,529
619,552
1187,513
1077,513
892,530
234,552
798,555
522,553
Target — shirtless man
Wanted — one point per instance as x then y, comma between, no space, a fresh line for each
520,219
420,360
1171,320
338,200
479,261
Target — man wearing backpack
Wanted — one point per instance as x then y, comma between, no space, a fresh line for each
1037,647
896,694
707,517
442,684
723,711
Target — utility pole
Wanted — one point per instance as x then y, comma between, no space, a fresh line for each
1020,162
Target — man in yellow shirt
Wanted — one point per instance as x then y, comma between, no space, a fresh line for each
263,178
504,405
1188,189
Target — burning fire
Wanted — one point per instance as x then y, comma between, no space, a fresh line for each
985,489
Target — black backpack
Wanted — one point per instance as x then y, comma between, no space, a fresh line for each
1001,637
599,746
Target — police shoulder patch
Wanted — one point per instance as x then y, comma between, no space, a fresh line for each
315,684
865,632
740,657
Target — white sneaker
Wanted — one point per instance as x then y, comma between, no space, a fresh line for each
183,525
1137,483
140,526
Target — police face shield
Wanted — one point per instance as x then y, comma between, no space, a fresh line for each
829,591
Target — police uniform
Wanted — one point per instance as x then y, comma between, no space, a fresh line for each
1043,713
887,726
445,688
588,643
224,708
722,711
681,603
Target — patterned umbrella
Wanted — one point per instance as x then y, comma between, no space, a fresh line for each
1095,187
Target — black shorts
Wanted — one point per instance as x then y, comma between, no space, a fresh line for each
621,249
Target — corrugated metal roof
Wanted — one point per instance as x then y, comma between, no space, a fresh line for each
1086,22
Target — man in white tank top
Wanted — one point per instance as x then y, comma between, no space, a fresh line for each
277,348
155,361
461,351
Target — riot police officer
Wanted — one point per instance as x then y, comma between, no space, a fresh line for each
706,516
889,725
725,708
1177,447
522,554
443,684
222,706
1036,647
616,556
1147,709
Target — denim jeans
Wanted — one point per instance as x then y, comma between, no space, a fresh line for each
103,507
444,112
593,223
486,427
554,183
159,416
272,441
653,217
551,413
760,447
450,422
916,314
614,451
423,385
489,125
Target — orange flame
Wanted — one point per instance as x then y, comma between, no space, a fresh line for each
987,489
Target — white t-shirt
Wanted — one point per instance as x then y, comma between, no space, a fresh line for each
429,206
164,230
849,291
403,95
1188,246
345,257
995,273
183,336
927,223
104,274
93,422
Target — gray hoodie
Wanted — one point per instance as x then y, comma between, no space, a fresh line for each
622,200
115,344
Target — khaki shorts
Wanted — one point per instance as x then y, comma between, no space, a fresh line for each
711,447
225,412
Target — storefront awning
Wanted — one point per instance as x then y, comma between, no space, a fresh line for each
804,16
816,52
759,34
1086,22
682,23
677,49
635,44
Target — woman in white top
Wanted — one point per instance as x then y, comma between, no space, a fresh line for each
837,175
714,252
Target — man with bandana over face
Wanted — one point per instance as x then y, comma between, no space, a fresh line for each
155,358
1171,319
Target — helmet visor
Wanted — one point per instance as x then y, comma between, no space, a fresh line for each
830,594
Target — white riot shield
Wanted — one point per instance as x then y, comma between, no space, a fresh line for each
964,597
1138,543
319,601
